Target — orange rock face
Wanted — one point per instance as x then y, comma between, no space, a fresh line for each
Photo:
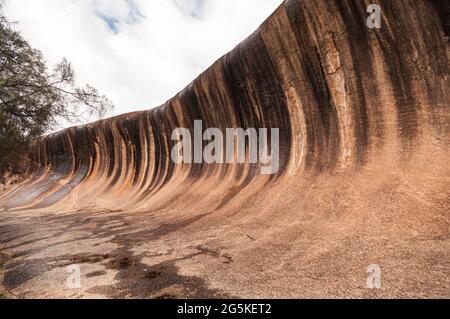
364,179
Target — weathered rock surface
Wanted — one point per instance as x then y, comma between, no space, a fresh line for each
364,118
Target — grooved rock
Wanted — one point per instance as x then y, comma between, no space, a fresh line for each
364,178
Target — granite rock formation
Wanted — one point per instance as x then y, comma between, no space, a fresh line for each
364,119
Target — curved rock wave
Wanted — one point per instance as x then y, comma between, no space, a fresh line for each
341,94
364,120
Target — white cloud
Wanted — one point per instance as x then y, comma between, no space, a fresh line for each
139,53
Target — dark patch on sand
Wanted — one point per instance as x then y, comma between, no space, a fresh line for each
96,273
135,279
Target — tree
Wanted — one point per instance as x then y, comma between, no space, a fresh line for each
33,100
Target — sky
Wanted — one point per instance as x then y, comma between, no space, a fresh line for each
139,53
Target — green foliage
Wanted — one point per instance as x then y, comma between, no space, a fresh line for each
33,99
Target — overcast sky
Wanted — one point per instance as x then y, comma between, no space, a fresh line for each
139,53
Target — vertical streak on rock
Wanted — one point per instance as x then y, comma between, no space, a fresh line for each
342,95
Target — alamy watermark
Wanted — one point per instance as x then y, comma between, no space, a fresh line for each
74,279
374,19
235,145
374,278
